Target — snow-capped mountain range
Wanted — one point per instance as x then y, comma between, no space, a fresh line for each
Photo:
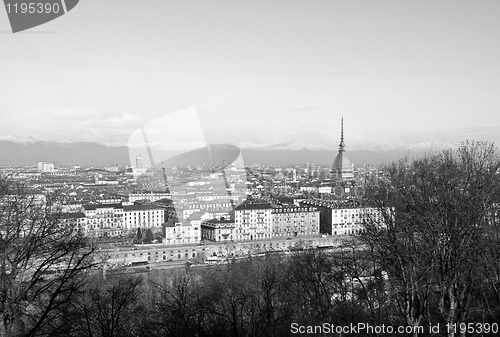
17,139
376,147
16,150
294,146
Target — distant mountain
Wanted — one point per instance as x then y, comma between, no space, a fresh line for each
420,147
28,151
61,153
287,146
16,139
376,147
319,157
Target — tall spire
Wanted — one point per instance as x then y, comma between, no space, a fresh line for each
342,144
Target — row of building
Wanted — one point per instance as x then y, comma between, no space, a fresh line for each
115,219
247,222
343,217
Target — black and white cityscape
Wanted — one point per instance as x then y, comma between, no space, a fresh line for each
251,169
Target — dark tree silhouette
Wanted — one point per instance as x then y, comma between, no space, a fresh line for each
41,261
149,236
179,308
107,307
431,235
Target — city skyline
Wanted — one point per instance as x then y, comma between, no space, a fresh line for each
249,168
263,73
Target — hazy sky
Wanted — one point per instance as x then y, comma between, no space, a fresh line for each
258,71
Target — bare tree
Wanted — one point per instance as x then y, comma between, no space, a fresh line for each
107,307
316,283
364,283
490,266
432,241
231,297
273,296
396,245
41,261
178,306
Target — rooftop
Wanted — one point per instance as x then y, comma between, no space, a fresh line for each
336,204
246,206
139,207
219,221
294,209
96,206
74,215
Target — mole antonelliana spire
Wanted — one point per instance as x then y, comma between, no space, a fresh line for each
342,144
342,168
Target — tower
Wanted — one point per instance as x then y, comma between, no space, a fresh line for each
342,168
138,161
342,144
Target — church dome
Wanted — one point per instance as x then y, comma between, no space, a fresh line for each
342,162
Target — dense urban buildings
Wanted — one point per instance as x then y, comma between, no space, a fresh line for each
148,196
238,204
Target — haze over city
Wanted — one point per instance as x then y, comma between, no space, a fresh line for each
259,72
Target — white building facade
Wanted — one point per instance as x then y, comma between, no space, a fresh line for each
104,220
351,220
253,222
218,230
182,233
143,216
45,167
117,220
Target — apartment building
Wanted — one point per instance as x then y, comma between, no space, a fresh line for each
295,221
351,220
218,230
143,216
75,220
116,220
104,219
343,216
185,232
45,167
253,221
